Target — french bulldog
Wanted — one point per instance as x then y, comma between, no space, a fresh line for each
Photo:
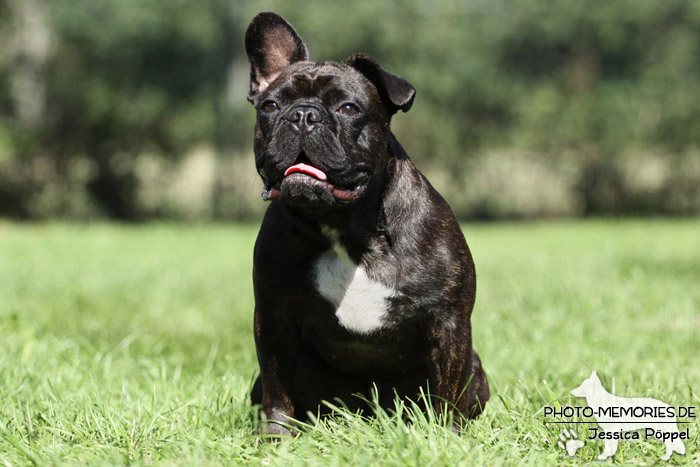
363,279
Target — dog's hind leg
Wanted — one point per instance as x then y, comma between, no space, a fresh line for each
256,392
669,451
671,446
477,390
678,446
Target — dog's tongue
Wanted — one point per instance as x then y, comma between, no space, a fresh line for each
306,169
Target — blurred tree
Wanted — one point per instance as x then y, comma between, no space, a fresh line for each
129,77
28,50
543,94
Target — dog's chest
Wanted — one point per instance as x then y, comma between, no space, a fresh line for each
360,302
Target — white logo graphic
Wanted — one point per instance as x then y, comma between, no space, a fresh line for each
621,418
572,444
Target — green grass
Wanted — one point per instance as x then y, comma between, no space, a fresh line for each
123,344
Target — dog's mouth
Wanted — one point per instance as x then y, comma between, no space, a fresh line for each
306,175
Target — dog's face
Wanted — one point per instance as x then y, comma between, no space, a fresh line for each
588,387
322,128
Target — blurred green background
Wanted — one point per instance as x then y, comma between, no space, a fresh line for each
132,109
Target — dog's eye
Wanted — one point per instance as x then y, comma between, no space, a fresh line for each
270,106
349,109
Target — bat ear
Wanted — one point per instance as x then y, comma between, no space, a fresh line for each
396,93
272,45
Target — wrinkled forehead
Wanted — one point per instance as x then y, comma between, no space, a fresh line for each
325,80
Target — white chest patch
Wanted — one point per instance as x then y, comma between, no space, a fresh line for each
360,302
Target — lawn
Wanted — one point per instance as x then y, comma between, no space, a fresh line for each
133,344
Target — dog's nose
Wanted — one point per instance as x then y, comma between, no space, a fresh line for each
305,117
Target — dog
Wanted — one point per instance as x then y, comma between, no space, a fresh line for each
615,424
362,276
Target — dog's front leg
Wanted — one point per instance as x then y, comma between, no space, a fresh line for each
449,369
609,450
277,340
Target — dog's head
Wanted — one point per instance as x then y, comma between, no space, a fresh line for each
322,129
589,387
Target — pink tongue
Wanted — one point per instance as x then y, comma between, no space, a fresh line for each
306,169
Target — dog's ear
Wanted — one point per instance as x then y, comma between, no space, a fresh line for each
396,93
272,45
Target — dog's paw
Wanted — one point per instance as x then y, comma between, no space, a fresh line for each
275,432
568,441
276,426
